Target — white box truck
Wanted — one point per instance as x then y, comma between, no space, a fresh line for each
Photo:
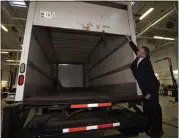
75,65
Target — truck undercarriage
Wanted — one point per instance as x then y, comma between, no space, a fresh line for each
53,122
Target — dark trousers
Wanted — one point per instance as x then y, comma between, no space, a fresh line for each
153,112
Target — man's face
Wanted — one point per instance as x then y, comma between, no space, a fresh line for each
141,53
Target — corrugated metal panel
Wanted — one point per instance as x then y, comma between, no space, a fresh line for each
73,46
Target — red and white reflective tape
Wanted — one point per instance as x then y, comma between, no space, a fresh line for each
91,105
85,128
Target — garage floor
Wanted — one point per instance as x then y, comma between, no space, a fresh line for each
170,119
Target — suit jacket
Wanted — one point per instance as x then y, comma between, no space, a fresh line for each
144,74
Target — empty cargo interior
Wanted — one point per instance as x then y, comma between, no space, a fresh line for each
67,65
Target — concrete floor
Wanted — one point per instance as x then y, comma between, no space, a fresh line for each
169,110
169,132
170,118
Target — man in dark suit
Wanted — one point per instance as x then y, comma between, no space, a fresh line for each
143,72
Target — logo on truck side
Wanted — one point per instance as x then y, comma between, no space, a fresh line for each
47,14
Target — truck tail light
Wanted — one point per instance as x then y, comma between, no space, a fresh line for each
21,80
22,68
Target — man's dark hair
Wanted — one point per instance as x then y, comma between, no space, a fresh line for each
146,49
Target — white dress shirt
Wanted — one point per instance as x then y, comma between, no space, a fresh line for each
140,59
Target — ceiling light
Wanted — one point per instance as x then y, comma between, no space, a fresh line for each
11,64
12,60
18,3
63,64
146,13
4,52
3,81
156,74
156,22
4,28
158,37
162,18
165,38
175,72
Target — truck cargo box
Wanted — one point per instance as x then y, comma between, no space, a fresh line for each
76,53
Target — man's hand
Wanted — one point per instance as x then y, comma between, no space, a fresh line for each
148,96
128,38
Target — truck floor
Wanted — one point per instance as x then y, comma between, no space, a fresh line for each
77,97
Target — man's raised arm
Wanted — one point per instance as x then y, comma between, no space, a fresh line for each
132,45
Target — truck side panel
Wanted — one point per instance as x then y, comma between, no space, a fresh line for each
25,50
38,58
45,42
110,65
39,77
117,60
124,76
133,36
